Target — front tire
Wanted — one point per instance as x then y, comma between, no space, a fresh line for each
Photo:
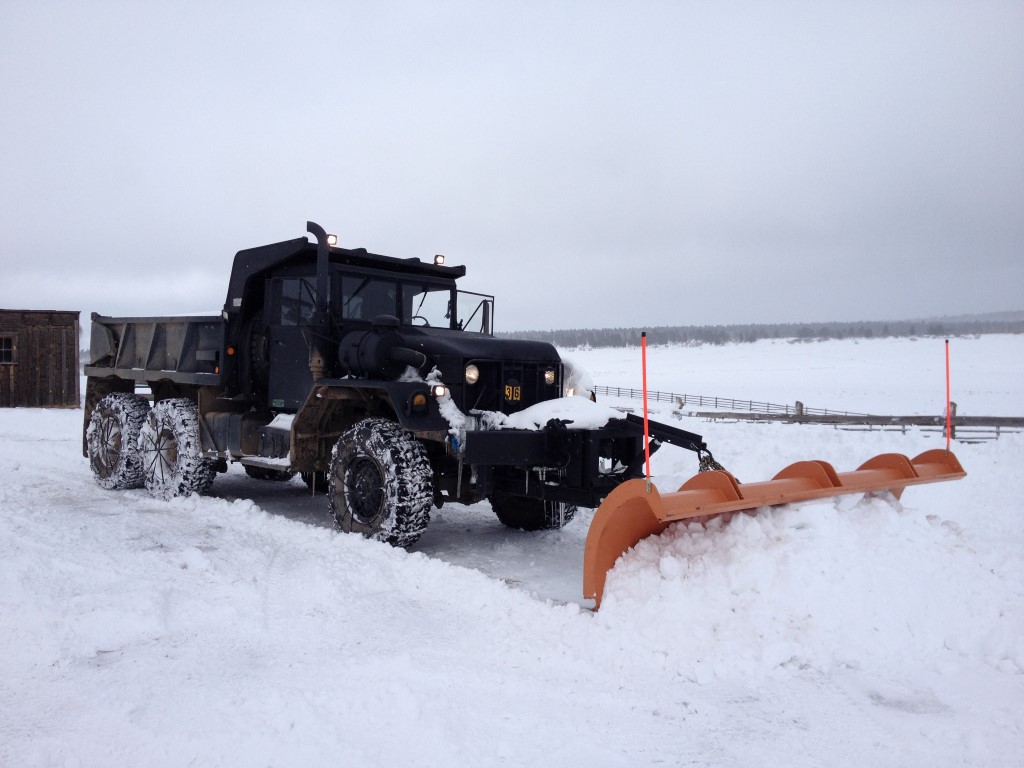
112,440
172,452
380,483
529,514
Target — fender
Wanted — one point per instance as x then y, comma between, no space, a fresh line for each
415,408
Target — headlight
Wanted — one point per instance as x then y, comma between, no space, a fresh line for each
549,376
472,374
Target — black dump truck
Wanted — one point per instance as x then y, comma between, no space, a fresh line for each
374,377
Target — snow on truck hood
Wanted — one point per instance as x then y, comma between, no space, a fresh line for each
583,413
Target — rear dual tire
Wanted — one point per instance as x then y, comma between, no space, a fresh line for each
112,439
171,451
131,445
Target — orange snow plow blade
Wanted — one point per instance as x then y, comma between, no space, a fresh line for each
631,512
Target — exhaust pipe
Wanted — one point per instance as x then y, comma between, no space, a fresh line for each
318,343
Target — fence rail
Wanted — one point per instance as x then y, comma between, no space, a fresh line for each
704,401
964,428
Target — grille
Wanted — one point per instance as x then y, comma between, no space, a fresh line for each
511,386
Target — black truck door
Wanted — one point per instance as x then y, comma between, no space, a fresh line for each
292,303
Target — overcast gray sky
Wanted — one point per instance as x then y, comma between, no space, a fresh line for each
591,163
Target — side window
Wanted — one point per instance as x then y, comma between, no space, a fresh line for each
294,300
480,309
363,298
8,348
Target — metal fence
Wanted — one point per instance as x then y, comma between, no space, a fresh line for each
727,403
967,429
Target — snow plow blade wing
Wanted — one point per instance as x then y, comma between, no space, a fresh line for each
631,512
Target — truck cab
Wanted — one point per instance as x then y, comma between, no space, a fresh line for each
273,312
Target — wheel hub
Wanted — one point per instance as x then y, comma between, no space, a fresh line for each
109,446
364,490
161,454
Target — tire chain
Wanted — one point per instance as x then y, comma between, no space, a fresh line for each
411,475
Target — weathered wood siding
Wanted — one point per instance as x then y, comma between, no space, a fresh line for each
45,353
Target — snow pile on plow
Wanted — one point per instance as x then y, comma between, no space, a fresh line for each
636,509
853,583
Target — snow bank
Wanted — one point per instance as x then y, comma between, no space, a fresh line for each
821,586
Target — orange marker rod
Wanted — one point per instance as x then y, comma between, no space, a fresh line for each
949,416
647,431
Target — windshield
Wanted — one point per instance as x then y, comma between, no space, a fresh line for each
427,304
364,298
423,303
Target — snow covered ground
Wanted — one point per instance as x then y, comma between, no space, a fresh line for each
241,629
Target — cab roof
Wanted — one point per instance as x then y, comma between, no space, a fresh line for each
254,261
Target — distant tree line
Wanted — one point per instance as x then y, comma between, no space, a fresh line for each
696,335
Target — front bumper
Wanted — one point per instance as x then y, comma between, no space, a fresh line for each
578,466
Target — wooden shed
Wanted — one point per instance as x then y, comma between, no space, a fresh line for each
39,358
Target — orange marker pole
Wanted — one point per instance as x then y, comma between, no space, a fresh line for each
647,431
949,416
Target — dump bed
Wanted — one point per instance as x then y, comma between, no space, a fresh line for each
185,350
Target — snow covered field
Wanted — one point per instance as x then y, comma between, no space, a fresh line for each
885,376
240,629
